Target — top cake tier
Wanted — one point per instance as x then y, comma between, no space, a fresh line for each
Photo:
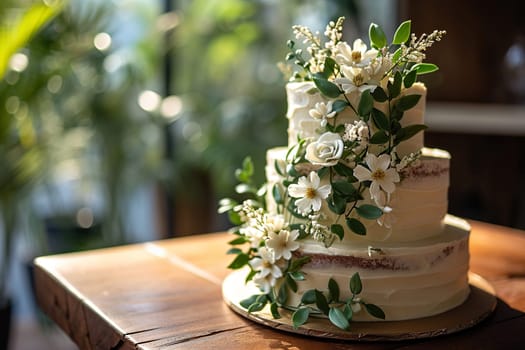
302,97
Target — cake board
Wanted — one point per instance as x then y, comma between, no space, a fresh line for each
479,305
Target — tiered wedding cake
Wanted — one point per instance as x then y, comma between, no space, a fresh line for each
353,222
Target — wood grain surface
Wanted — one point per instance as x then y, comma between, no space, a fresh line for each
167,295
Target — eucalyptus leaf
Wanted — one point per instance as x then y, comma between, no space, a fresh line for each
338,318
333,288
369,211
366,103
308,297
300,316
377,36
402,33
375,311
326,87
321,302
337,230
355,284
356,226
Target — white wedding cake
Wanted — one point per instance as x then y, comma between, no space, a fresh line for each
352,222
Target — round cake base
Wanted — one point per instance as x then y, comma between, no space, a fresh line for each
479,305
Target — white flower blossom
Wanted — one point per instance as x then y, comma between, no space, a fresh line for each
283,243
356,56
379,172
322,111
264,283
355,79
265,264
356,131
309,192
326,151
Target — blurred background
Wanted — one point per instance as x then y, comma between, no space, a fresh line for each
123,121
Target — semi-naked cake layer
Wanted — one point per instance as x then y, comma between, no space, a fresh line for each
408,281
302,97
419,203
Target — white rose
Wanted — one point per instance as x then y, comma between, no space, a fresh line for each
326,151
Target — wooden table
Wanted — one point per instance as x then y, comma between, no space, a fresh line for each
167,295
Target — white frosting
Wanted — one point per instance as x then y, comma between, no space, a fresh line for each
419,203
408,281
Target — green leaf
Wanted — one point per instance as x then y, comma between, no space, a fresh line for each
249,301
379,138
338,318
326,87
232,251
239,261
394,88
355,284
379,94
238,240
410,78
375,311
300,316
409,131
347,311
290,282
282,294
338,230
339,105
256,307
343,170
369,211
408,101
329,65
402,33
298,263
343,187
234,218
278,168
425,68
321,302
366,103
377,36
245,174
297,275
397,55
356,226
274,309
333,288
277,196
337,203
380,120
308,297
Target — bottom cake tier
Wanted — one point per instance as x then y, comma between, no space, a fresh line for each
413,280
